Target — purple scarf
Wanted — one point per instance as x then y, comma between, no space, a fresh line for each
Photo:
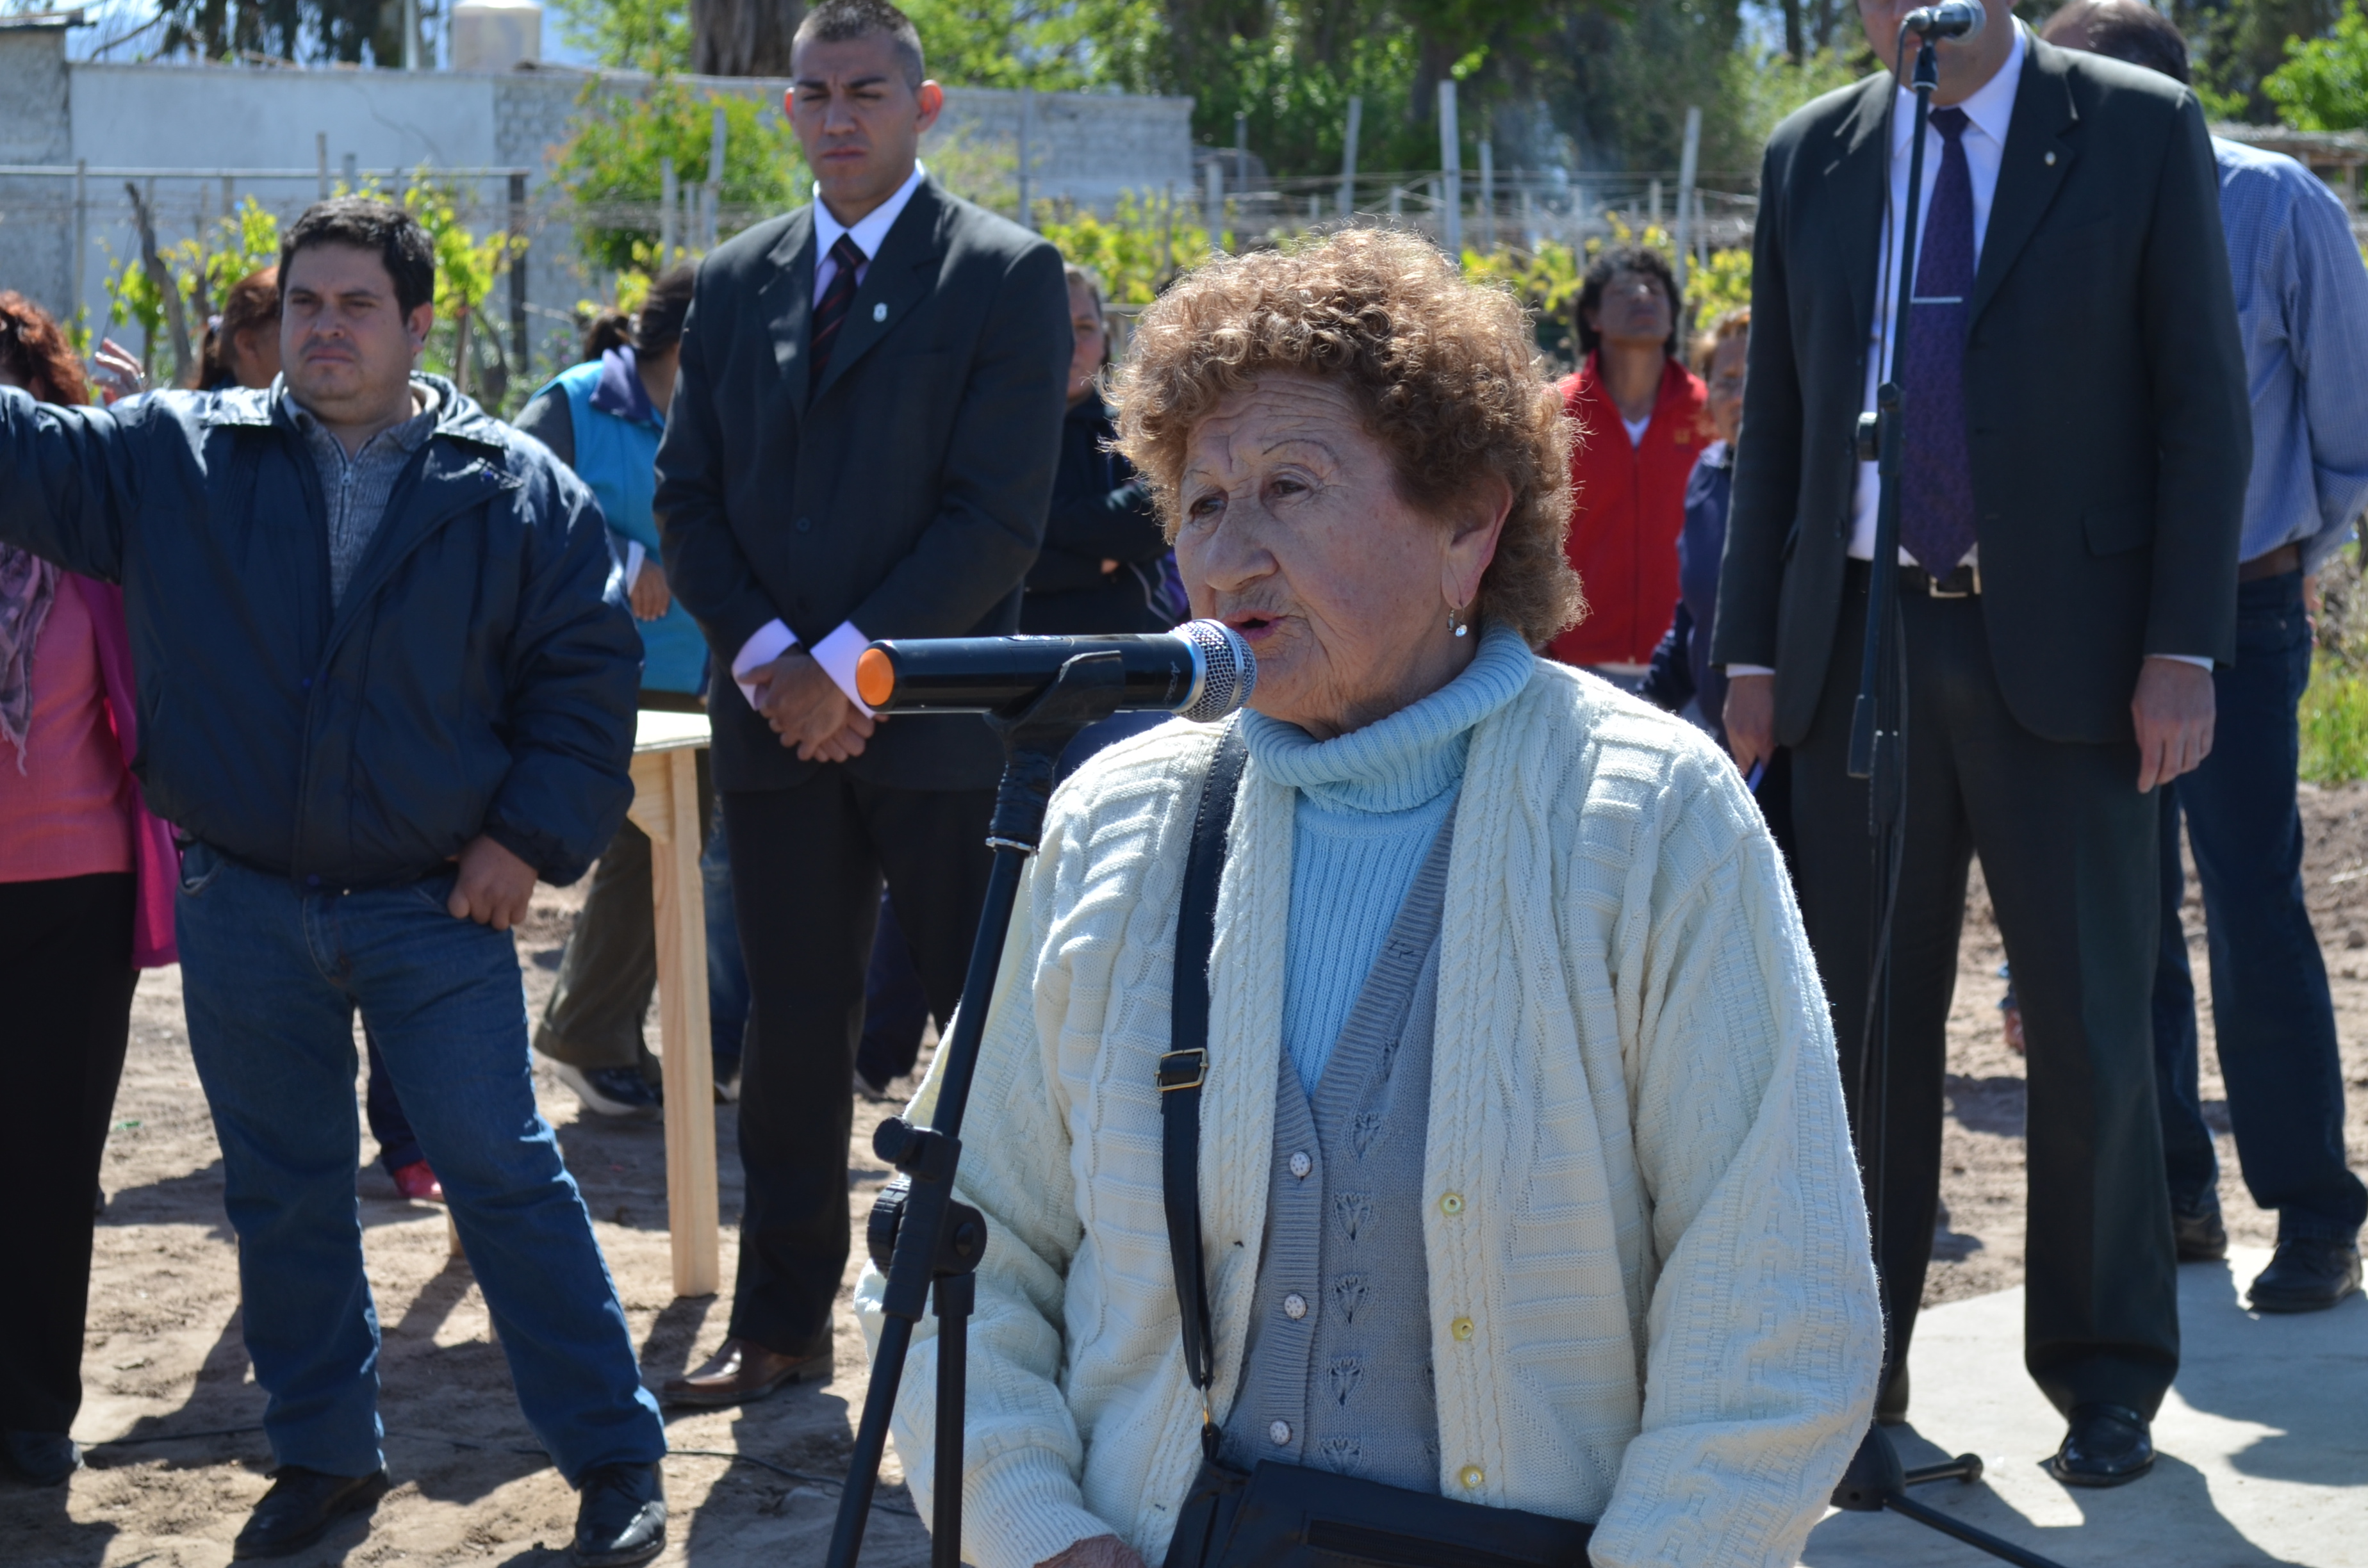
28,585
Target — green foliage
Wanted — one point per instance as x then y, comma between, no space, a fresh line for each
2236,45
1136,251
1298,106
1548,281
202,269
1767,87
1051,45
640,35
2323,85
2334,720
610,165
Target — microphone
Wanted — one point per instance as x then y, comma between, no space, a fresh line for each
1203,671
1960,19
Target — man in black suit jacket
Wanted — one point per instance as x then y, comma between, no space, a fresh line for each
862,446
2083,430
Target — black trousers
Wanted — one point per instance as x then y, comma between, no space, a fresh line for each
2068,849
806,869
65,967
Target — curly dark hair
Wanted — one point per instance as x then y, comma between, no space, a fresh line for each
1445,371
1629,258
34,350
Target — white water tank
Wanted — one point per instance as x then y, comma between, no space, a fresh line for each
497,35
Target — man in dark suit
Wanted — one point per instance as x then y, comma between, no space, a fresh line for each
862,446
2077,447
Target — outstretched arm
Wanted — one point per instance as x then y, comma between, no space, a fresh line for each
69,482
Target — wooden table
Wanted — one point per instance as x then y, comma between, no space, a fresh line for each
665,806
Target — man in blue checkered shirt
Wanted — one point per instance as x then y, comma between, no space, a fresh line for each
2302,308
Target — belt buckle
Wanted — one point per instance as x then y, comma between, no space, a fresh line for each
1932,584
1174,1066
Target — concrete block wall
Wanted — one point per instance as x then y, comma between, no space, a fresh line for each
1086,147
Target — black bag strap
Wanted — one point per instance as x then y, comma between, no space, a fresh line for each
1186,1066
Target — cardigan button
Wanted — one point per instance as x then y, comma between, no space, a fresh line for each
1278,1434
1452,1204
1295,1306
1300,1164
1461,1328
1472,1477
805,525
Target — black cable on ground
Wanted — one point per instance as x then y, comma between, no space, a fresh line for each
724,1454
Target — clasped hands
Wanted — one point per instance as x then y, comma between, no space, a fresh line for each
806,709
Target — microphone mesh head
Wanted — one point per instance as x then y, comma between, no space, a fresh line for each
1228,670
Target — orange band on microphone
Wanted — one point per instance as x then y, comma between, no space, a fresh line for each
875,677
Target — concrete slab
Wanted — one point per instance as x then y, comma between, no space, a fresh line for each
2263,1444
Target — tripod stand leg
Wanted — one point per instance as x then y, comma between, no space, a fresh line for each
2004,1550
955,1294
1967,1468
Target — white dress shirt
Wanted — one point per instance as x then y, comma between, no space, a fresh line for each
1988,112
837,652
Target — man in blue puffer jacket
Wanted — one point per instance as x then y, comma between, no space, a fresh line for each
379,693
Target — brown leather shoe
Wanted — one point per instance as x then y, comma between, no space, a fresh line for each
744,1371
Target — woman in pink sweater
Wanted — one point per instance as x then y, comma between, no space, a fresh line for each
85,902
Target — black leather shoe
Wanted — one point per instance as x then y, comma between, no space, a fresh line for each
621,1520
44,1459
303,1505
2307,1276
1891,1400
2109,1445
2201,1237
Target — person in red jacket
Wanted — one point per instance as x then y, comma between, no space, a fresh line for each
1641,420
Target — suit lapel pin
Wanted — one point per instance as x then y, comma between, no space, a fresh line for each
880,313
2051,160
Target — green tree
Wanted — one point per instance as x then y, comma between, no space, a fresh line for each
640,35
610,165
2323,85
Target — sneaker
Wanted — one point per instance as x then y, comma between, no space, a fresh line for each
866,1089
611,1091
727,1080
418,1183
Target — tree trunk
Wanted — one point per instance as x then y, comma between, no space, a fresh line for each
1793,45
743,38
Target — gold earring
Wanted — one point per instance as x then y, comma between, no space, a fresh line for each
1456,623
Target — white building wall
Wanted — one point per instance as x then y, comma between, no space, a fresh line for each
1087,148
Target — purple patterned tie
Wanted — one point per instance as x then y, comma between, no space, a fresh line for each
1936,502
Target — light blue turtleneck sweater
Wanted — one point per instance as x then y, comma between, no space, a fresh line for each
1369,804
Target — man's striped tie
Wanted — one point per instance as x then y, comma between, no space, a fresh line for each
830,312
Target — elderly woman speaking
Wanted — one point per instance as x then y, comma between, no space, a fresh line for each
1524,1196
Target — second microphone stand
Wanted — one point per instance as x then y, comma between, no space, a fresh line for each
1876,1479
925,1241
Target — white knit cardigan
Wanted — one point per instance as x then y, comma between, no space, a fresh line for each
1640,1189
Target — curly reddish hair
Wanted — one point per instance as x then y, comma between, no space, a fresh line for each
35,351
1446,374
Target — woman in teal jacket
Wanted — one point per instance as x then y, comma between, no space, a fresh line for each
603,418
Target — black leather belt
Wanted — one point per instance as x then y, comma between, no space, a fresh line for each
1964,583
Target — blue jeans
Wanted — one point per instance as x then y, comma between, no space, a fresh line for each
2270,1001
271,977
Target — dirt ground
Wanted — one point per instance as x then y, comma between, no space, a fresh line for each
171,1405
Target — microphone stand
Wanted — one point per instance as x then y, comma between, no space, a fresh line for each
918,1235
1876,1479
